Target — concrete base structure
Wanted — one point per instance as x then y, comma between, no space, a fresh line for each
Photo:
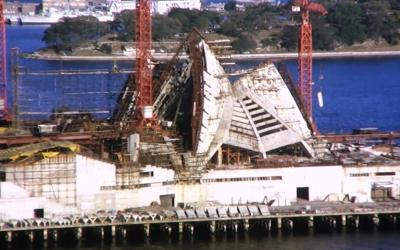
278,186
283,186
59,185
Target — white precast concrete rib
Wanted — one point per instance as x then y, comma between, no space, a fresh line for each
278,94
201,213
241,133
217,105
253,209
212,212
271,109
222,212
257,112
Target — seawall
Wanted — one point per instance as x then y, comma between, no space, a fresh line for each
235,57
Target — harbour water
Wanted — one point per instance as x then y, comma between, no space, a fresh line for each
357,93
372,240
342,241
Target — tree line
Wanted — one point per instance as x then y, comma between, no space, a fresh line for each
347,22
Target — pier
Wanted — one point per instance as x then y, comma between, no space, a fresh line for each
200,221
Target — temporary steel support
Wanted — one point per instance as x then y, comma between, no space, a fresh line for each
144,76
15,87
4,112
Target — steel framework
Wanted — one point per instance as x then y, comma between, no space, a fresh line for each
4,112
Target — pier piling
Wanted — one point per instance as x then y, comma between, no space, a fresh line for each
343,220
147,230
127,227
30,236
279,223
246,225
45,235
311,222
212,227
113,231
9,236
79,233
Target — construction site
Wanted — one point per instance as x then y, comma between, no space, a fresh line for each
190,131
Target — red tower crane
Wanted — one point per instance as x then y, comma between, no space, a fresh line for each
305,50
144,74
4,112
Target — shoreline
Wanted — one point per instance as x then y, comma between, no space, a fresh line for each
235,57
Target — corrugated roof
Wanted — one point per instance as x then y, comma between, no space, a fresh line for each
4,131
47,149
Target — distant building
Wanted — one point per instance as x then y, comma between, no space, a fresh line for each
240,7
21,8
116,6
218,7
161,7
64,4
165,6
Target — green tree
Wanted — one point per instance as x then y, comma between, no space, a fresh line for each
254,18
230,6
394,4
183,16
106,48
380,21
323,34
190,19
228,28
201,23
244,43
269,41
162,26
213,17
289,37
375,18
125,25
73,31
346,18
165,27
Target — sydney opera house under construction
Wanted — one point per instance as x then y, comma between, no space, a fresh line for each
226,138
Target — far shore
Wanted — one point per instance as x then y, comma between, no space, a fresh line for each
234,57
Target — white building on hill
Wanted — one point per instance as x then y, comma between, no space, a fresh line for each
64,4
161,7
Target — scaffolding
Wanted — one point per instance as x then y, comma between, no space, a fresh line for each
53,178
64,87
